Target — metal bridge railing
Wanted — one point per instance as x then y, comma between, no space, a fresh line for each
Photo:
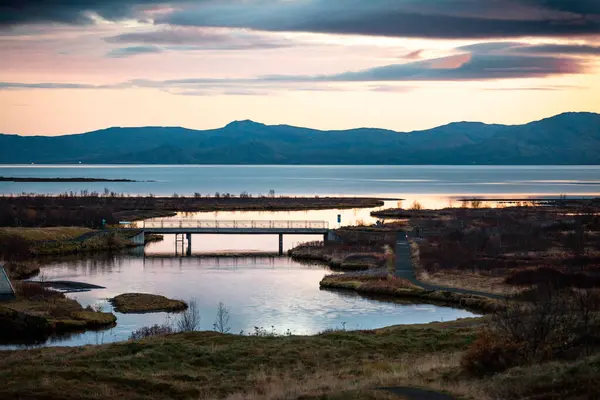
215,224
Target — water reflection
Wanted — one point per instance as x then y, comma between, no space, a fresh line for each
261,291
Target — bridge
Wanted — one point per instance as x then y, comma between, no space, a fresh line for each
187,228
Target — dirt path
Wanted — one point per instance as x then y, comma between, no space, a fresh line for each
417,394
406,270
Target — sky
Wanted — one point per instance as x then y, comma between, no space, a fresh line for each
71,66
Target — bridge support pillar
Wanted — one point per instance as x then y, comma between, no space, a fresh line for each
188,236
281,244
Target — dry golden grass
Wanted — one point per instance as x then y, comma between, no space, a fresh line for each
470,280
44,234
408,371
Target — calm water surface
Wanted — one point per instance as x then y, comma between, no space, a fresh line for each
433,186
272,292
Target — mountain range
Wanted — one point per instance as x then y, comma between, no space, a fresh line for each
569,138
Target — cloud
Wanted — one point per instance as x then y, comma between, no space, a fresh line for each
77,12
479,62
534,49
133,51
464,67
204,39
400,18
539,88
575,49
585,7
50,85
413,55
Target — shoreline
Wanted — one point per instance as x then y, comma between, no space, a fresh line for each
91,209
58,180
381,292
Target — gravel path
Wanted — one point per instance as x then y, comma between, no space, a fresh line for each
417,394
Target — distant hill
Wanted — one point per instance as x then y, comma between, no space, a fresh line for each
570,138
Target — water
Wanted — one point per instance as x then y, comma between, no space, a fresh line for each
432,186
269,292
272,292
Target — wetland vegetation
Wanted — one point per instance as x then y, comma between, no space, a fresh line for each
538,340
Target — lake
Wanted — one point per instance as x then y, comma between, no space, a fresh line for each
432,186
271,292
274,293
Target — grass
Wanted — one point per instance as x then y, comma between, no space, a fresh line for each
38,312
350,258
45,234
578,379
22,269
24,243
387,285
137,303
207,365
470,280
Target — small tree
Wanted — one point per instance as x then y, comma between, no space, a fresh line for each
476,204
416,206
189,320
222,321
271,193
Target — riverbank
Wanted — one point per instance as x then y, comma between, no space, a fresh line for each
383,284
38,313
210,365
20,245
343,258
90,209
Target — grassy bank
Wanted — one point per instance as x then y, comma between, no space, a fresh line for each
138,303
332,365
18,244
209,365
37,313
345,258
384,284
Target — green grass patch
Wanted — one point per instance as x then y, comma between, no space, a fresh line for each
211,365
135,303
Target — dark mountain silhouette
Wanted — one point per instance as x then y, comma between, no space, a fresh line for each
570,138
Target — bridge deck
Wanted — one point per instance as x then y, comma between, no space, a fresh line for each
236,227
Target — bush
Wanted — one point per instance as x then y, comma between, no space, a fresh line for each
554,324
489,354
150,331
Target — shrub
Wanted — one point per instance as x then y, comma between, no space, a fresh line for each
489,354
554,324
150,331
